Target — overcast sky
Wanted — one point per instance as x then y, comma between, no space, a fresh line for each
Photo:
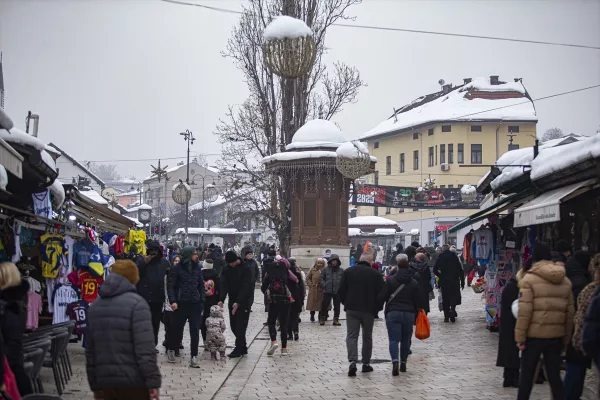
119,79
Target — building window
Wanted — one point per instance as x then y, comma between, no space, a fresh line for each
442,153
442,186
436,155
513,129
476,154
450,154
415,135
376,145
416,159
401,162
446,128
376,211
513,147
388,210
450,186
376,179
431,156
460,156
430,132
475,128
388,165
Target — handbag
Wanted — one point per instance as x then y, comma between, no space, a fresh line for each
12,391
392,296
423,330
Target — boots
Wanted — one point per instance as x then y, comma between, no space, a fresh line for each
336,322
395,368
403,367
213,355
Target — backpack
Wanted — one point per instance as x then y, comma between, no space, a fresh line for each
278,288
209,287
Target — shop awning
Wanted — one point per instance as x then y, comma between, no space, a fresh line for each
11,159
98,215
495,208
546,207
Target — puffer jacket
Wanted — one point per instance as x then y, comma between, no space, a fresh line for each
152,279
546,306
120,351
331,276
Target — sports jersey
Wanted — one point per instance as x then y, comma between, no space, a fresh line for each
139,239
52,249
89,284
62,297
42,205
77,311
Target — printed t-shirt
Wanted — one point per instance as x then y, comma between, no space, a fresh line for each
89,284
77,311
34,309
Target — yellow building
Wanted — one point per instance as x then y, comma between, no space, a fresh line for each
452,136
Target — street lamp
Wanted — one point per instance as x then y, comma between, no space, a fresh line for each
188,136
209,193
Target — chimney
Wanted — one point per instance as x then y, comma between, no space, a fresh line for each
467,80
446,88
518,79
494,80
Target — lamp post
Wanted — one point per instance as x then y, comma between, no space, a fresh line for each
188,136
209,194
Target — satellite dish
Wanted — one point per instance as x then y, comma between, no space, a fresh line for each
441,82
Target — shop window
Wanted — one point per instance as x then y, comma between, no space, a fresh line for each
446,128
460,156
442,153
430,132
450,154
476,154
416,159
475,128
431,156
388,165
402,168
513,129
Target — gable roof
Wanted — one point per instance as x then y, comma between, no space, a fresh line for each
78,164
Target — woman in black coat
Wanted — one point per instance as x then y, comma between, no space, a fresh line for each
508,353
451,281
298,292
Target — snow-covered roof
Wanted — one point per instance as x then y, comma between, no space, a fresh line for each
193,164
136,221
132,193
354,232
94,196
299,155
140,207
286,27
58,193
385,231
47,158
371,221
352,149
317,133
17,136
198,206
458,105
211,231
78,164
558,158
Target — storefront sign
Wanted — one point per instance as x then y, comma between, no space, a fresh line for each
536,216
411,197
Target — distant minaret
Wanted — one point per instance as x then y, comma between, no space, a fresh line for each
1,84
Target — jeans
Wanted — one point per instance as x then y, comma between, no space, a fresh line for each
239,325
399,327
279,311
354,321
551,350
170,323
156,310
574,379
327,297
192,313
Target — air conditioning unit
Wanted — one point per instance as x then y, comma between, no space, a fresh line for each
445,167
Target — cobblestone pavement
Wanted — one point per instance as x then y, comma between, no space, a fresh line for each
457,362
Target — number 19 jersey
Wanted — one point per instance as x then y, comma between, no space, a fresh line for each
89,284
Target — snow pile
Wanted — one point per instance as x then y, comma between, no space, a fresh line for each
137,222
385,231
94,196
468,189
298,155
354,232
354,149
371,220
3,177
317,133
513,156
511,173
484,85
454,106
286,27
58,193
47,158
559,158
17,136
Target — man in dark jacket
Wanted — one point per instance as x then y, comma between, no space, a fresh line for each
217,257
562,251
451,281
331,276
187,296
152,282
422,274
248,256
359,291
120,350
237,283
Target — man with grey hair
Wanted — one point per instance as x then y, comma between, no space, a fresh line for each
360,290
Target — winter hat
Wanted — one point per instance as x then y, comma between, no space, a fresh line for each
541,251
216,312
186,254
562,246
207,264
128,270
231,256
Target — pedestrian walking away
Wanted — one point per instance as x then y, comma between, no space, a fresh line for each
331,277
215,328
187,295
275,287
451,281
545,320
360,292
298,292
237,283
401,295
151,287
119,333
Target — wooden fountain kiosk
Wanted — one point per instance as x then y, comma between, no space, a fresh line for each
318,191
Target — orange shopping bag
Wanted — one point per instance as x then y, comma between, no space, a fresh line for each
422,331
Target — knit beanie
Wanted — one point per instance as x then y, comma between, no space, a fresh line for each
127,269
231,256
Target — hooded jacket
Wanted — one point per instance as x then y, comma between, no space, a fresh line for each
186,283
237,283
360,289
422,274
331,276
407,300
546,306
152,278
120,350
252,264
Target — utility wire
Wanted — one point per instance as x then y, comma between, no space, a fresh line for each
390,29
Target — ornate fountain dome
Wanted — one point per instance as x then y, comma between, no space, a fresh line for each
318,133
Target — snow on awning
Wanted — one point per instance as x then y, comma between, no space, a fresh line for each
558,158
11,159
371,221
546,207
385,231
94,196
354,232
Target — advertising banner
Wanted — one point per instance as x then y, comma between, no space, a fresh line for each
411,197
